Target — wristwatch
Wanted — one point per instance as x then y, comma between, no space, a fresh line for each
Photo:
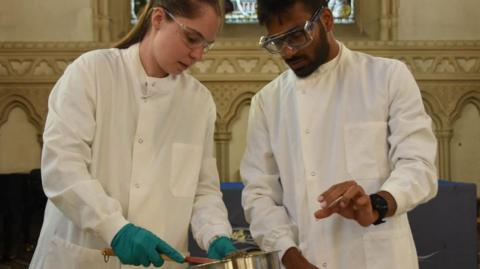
380,204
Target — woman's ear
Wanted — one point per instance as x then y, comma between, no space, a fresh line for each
157,17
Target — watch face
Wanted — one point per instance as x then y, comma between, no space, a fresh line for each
379,204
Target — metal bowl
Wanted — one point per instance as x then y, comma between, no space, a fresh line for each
249,260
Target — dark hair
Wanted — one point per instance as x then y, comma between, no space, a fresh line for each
183,8
268,8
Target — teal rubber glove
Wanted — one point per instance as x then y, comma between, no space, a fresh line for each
136,246
220,248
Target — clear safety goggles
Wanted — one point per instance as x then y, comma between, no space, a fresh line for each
192,38
295,38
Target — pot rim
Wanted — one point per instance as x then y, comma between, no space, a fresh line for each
226,261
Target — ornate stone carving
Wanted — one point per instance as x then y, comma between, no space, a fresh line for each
21,67
3,70
448,73
32,102
444,102
468,64
229,98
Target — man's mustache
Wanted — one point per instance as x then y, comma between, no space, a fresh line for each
294,60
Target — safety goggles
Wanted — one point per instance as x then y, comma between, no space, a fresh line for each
192,38
295,38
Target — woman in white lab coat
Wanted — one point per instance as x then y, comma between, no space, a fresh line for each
128,160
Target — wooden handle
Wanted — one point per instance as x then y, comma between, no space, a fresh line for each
108,252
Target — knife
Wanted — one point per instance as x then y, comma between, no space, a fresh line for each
108,252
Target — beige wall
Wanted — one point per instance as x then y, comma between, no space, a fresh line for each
439,20
46,20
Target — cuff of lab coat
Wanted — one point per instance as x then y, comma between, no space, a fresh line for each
110,227
399,198
218,230
283,244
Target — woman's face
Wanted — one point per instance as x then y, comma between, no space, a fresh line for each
178,42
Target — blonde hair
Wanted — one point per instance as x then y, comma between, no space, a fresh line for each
184,8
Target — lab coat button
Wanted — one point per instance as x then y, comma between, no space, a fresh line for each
137,185
140,140
313,173
324,265
307,131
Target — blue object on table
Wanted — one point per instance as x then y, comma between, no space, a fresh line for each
444,228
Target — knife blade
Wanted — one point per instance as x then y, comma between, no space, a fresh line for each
108,252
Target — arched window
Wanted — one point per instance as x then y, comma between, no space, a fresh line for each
243,11
137,6
359,20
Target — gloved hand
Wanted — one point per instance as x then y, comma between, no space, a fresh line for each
134,245
220,248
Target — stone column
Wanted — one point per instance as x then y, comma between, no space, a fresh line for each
444,137
101,21
222,142
385,20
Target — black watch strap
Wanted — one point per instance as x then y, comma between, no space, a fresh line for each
381,206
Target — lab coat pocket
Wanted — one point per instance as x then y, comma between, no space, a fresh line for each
366,149
63,254
185,170
388,249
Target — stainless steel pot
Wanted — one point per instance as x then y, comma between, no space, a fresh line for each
250,260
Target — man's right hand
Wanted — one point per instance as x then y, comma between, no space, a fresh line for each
136,246
293,259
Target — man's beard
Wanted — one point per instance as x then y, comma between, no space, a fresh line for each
319,58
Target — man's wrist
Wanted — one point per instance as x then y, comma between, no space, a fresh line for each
291,255
392,203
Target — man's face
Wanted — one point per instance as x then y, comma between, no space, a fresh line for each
306,60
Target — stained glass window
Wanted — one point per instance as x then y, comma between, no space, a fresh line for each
243,11
137,6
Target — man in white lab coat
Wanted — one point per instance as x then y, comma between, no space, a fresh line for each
339,149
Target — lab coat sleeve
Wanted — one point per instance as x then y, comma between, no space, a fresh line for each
270,224
66,156
209,215
413,146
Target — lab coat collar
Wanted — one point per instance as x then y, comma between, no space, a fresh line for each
155,85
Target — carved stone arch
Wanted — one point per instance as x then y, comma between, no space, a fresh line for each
223,133
17,101
470,97
431,103
235,108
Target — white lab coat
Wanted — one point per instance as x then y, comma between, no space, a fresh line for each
357,117
121,147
